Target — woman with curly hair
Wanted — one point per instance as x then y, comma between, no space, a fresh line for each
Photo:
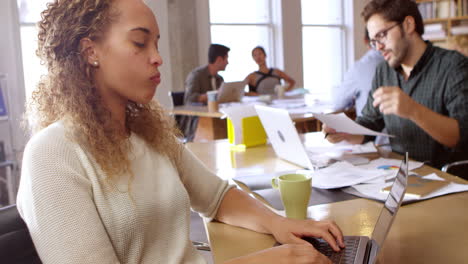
104,178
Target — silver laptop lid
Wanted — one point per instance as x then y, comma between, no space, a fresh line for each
390,209
283,135
231,92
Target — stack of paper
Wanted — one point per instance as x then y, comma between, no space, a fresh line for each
343,174
374,191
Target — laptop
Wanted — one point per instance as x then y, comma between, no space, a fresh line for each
362,249
287,143
231,92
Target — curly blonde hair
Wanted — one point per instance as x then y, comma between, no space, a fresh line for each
68,91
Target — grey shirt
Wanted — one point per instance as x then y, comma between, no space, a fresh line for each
438,81
199,82
357,82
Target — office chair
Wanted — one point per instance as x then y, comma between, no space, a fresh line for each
16,246
186,124
457,168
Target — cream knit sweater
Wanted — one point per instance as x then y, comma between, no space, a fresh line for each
73,216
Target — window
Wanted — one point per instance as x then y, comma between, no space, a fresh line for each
241,33
323,34
29,14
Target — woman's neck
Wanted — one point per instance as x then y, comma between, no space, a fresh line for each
263,68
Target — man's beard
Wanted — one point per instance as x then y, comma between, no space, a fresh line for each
400,55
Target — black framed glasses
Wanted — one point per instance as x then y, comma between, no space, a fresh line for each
381,37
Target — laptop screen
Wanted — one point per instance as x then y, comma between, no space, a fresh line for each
392,204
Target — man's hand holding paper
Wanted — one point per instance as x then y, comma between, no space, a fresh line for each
339,127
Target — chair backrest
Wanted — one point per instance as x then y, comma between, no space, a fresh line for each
458,168
16,245
177,98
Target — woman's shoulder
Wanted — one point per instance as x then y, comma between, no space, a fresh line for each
51,140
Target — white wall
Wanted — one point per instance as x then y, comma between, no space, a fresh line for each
11,65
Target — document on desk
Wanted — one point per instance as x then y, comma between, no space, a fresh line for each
343,174
390,165
373,191
341,123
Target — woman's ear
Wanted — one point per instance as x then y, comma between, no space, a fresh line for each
88,51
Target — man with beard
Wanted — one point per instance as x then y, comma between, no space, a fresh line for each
420,94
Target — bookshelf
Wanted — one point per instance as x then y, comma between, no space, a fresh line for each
8,184
444,18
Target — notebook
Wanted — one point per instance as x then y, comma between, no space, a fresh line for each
287,144
362,249
419,187
231,92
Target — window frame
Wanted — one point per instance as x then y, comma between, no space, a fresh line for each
270,26
343,27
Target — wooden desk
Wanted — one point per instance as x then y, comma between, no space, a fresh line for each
211,126
432,231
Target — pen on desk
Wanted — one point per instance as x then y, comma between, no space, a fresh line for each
326,135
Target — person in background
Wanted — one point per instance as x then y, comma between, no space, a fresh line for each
420,95
104,178
357,81
206,78
458,43
265,79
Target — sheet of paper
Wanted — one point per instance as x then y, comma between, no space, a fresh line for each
390,164
341,123
316,143
343,174
236,114
373,191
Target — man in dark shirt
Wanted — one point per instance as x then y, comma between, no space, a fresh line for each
420,94
206,78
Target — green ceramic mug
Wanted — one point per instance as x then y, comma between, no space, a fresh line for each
295,193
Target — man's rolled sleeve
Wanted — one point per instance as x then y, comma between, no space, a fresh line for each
457,101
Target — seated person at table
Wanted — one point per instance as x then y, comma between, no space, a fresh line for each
104,179
206,78
265,79
420,94
357,81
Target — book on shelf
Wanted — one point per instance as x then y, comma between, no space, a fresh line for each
420,187
434,35
3,109
464,7
459,30
426,9
2,152
433,27
442,9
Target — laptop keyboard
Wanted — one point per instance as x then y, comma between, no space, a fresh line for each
347,255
